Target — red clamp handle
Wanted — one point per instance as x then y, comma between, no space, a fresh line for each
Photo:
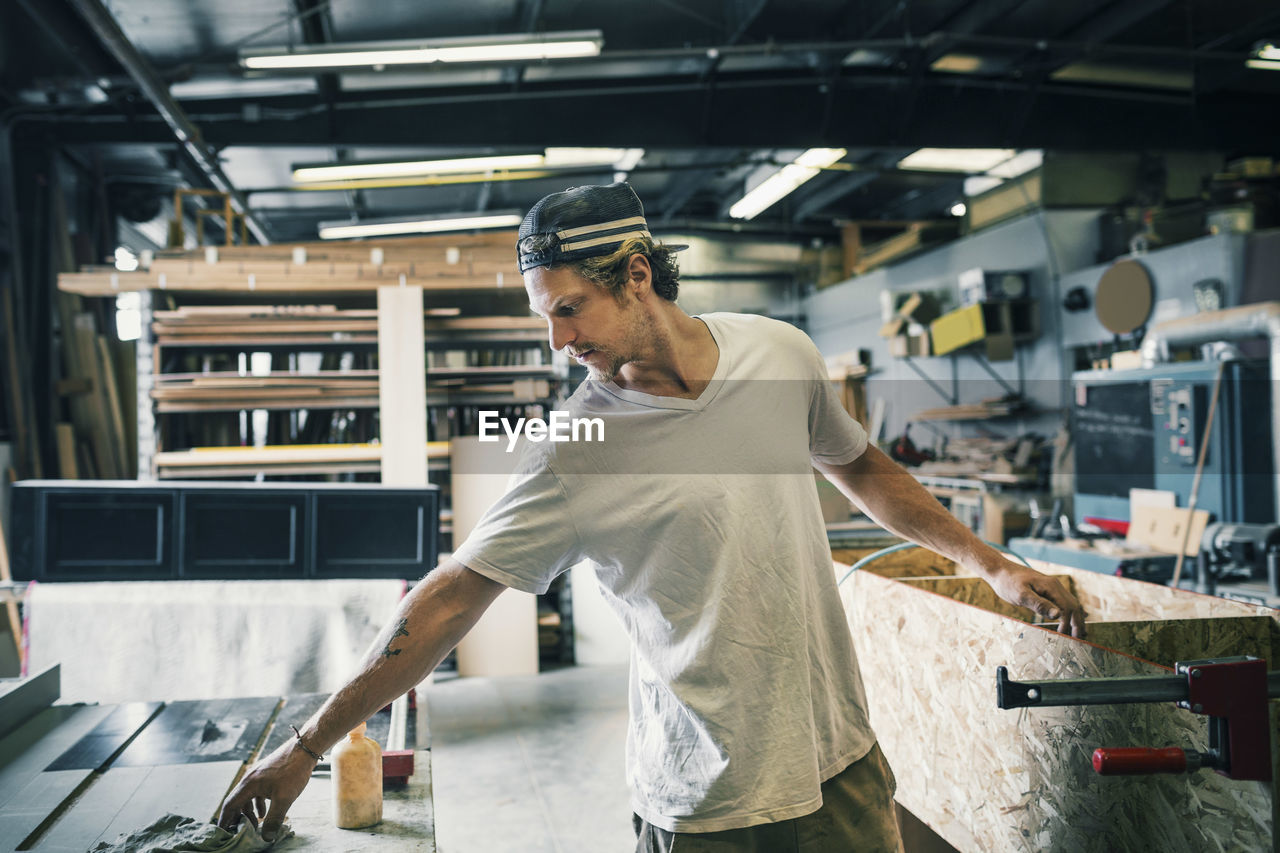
1127,761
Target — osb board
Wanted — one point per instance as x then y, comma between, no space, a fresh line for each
993,780
977,592
1113,599
908,563
1168,641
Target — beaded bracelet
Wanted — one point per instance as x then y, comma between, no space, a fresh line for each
304,747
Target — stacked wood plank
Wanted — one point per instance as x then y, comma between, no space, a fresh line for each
356,389
1000,408
187,392
274,325
439,263
100,442
201,462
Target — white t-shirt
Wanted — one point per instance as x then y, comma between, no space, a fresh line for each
703,523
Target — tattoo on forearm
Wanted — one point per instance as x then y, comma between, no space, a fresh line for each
402,630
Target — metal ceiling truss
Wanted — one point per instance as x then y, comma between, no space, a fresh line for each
175,119
778,111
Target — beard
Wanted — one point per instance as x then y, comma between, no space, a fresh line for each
606,361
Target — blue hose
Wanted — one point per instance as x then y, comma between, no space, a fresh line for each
904,545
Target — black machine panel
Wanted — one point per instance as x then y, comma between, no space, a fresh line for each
1115,447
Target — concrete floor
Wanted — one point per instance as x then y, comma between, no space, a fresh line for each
531,763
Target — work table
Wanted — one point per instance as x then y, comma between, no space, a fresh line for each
74,775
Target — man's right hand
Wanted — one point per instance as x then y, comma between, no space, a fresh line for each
277,779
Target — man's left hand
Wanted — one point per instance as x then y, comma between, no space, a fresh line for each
1039,593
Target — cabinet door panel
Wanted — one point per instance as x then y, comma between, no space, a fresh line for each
127,535
364,535
246,535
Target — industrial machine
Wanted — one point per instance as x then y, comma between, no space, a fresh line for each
1143,428
1238,552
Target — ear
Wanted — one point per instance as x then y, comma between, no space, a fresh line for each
639,276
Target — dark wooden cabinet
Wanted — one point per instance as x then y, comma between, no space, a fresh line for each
69,530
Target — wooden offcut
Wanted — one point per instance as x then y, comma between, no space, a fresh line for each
66,437
986,779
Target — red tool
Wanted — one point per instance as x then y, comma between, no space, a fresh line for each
1231,692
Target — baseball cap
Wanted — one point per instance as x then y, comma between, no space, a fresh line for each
583,222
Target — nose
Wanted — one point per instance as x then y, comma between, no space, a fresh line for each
559,333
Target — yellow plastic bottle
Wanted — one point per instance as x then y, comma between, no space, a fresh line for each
357,781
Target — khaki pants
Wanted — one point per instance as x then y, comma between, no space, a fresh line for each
857,814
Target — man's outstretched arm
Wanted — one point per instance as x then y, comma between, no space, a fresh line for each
429,622
897,502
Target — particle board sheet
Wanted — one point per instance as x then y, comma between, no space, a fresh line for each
975,591
910,562
1109,598
992,780
1167,641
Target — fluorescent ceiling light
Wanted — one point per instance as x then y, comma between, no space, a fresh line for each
515,48
568,158
1013,167
972,160
978,184
785,181
125,259
1263,64
630,158
1267,50
421,225
559,158
415,168
1019,164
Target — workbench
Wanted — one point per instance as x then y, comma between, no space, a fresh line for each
74,775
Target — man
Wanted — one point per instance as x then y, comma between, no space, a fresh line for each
748,725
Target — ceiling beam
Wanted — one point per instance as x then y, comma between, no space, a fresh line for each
972,18
833,192
317,28
1112,21
739,15
529,16
68,32
777,111
189,137
685,184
